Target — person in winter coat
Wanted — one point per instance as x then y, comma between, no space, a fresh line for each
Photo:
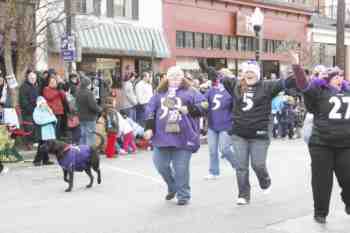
288,118
45,118
112,126
127,131
129,100
28,93
88,111
55,99
73,84
172,122
329,145
5,97
276,110
144,92
252,98
219,123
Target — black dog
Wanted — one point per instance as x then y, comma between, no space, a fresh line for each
77,158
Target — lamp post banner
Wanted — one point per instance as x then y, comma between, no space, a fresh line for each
68,48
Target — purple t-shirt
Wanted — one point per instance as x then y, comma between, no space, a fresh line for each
188,137
76,158
220,109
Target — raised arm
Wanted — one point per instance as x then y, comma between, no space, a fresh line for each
229,83
300,76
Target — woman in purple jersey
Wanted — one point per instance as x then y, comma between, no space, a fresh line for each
219,123
328,99
172,124
252,99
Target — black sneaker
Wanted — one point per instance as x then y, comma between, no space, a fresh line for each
37,164
320,219
182,202
170,196
347,210
48,163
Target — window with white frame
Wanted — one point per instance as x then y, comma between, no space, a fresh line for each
121,8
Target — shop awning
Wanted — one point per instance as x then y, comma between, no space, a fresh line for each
107,37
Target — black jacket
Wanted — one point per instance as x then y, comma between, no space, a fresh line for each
28,94
252,110
88,110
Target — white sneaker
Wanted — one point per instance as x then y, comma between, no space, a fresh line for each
123,152
242,201
5,170
211,177
267,191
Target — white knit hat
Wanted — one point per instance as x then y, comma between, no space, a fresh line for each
251,66
40,100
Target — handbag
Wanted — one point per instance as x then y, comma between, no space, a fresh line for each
73,121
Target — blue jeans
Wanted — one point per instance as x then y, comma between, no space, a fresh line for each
131,113
220,142
256,151
174,167
87,135
140,114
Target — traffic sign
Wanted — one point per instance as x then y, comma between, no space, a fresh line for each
68,48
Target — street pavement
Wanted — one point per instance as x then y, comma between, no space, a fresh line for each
131,199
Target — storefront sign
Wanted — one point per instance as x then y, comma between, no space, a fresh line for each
243,25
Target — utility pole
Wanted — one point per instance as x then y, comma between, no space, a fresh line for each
340,56
68,10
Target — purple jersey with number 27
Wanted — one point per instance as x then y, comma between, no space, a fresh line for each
220,109
188,137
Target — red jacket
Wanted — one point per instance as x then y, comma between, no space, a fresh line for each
54,99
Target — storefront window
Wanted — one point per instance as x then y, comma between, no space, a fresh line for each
233,43
225,43
120,8
241,42
250,43
189,42
198,40
217,42
144,66
180,39
208,41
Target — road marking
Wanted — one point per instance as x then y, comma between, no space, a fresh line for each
132,173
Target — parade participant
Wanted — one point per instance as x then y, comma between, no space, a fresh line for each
329,144
219,123
252,99
171,122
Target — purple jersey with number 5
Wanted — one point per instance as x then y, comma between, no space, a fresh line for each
220,109
188,137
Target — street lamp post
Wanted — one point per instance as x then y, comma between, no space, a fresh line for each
257,23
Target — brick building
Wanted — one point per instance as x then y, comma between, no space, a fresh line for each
218,30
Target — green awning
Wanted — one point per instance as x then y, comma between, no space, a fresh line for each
105,36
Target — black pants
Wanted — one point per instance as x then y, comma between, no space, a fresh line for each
42,154
324,162
1,166
287,129
59,126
